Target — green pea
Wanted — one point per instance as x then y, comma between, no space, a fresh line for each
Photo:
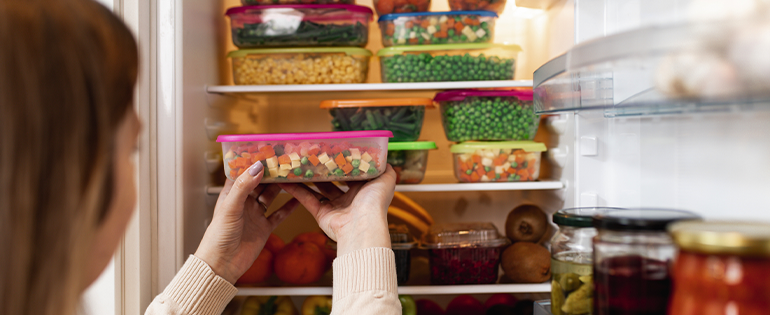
356,163
308,174
372,171
355,172
304,160
297,171
339,172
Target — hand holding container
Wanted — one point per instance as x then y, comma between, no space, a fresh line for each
308,157
409,160
487,114
300,65
427,28
505,161
402,116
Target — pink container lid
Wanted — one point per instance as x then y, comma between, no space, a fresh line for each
459,95
349,7
305,136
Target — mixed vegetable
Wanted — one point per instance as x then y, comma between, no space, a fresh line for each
437,28
305,161
497,165
425,67
409,160
404,121
300,65
308,33
400,6
489,118
470,5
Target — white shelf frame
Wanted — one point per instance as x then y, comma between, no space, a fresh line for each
539,185
412,290
232,89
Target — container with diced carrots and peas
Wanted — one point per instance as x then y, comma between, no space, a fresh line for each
424,28
504,161
308,157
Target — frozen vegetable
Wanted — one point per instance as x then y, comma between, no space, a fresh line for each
300,66
437,28
402,116
460,62
267,2
471,5
307,33
409,160
487,115
399,6
497,161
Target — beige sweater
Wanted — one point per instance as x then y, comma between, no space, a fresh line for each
364,283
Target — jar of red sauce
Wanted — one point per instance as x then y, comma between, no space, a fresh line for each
723,268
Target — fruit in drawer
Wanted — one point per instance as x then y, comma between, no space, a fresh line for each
463,305
274,243
408,307
320,239
260,270
317,305
526,223
300,263
525,262
268,305
428,307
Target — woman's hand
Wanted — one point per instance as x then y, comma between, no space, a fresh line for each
356,219
239,229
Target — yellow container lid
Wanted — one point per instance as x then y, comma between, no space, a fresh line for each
378,102
723,238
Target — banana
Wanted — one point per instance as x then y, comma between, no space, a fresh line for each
415,224
402,201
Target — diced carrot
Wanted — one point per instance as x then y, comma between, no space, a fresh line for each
327,148
476,158
459,27
253,148
463,167
284,159
503,157
519,158
390,31
242,162
340,160
468,21
480,171
291,175
465,178
347,168
441,34
522,173
231,164
497,161
469,163
512,170
491,174
408,24
233,174
413,41
475,177
425,23
257,157
450,22
241,171
314,151
313,159
268,151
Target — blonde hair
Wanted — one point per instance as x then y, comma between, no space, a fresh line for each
67,75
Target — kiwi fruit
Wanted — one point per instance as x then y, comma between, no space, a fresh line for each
525,262
526,223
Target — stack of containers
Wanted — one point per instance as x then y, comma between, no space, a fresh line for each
495,129
293,43
402,116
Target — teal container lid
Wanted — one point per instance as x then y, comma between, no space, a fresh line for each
470,147
414,145
579,217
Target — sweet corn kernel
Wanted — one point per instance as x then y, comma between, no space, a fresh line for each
299,69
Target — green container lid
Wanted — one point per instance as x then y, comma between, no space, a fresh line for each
415,145
390,51
470,147
355,51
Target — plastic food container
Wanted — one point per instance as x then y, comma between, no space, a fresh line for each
464,253
505,161
409,160
308,157
269,2
384,7
300,25
402,116
496,6
487,115
300,65
451,62
401,243
732,258
426,28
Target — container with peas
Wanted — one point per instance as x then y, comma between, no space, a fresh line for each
487,115
450,62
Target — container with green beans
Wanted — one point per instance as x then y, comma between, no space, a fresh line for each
402,116
487,114
448,62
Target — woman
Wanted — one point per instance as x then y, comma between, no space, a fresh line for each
67,136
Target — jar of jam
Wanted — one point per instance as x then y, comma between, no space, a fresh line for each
572,261
722,268
632,256
401,243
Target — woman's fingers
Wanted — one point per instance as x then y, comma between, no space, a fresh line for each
306,196
244,185
268,194
330,190
282,213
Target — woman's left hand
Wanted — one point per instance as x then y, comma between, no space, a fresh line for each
239,228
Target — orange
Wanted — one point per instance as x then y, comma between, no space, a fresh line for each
260,270
300,263
274,243
320,239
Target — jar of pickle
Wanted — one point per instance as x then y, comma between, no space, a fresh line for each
722,268
572,261
632,257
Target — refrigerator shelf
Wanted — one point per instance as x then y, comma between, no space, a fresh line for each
537,185
237,89
412,290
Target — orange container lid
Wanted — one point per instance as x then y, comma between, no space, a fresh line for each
378,102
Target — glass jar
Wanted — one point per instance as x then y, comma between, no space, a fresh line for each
632,257
722,268
572,261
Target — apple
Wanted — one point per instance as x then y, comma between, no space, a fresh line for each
428,307
500,298
465,305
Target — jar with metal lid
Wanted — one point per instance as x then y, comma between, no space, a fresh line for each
722,268
572,261
401,243
632,257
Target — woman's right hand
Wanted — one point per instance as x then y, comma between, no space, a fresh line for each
356,219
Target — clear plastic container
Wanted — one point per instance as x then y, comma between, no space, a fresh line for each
308,157
496,6
504,161
401,243
271,2
402,116
487,115
448,62
300,65
409,160
425,28
300,25
464,253
384,7
632,258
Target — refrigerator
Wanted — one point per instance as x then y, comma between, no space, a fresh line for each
612,141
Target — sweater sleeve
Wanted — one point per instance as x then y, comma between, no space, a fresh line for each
195,290
365,283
